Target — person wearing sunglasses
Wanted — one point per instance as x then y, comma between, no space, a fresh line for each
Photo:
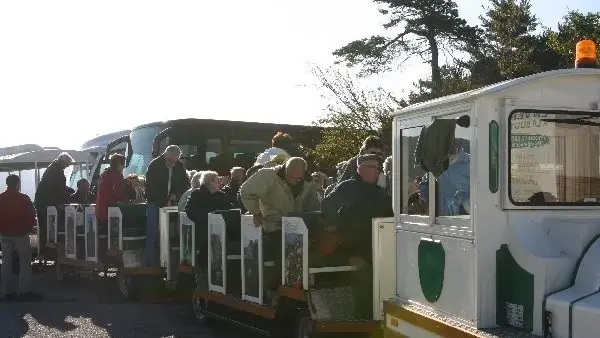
371,145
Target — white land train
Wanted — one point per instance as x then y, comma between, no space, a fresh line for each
30,159
510,245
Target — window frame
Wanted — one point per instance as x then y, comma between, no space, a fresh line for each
460,224
510,204
494,156
441,225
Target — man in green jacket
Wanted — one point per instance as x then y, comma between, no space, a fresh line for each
272,193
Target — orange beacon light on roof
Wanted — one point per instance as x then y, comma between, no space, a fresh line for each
586,54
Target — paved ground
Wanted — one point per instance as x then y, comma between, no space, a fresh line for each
90,309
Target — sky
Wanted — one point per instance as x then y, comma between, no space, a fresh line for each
72,70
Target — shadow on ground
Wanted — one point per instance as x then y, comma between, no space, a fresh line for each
92,308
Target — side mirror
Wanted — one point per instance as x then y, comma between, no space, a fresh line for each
129,152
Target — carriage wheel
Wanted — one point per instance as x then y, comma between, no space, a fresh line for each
303,327
60,274
199,308
126,285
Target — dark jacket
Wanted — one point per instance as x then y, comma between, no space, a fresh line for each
79,198
349,170
157,184
350,207
199,205
233,194
435,145
111,190
52,189
17,214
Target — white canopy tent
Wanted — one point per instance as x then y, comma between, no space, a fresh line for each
23,158
32,157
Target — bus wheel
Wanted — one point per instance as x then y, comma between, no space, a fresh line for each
199,308
303,327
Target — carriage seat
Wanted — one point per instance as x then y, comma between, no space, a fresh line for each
134,221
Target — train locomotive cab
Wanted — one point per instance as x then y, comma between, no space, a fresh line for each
496,226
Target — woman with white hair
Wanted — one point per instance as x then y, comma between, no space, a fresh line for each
203,201
195,181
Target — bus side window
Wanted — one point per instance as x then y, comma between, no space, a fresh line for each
214,148
245,151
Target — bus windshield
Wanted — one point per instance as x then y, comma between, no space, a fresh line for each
141,142
554,158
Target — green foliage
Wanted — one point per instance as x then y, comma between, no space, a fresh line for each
576,26
508,26
454,80
508,45
353,114
418,28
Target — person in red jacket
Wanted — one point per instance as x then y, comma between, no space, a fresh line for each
111,189
17,219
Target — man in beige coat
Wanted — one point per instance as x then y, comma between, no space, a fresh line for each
272,193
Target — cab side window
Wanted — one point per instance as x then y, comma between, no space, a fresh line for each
453,189
214,148
414,178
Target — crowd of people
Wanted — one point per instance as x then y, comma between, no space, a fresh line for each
276,185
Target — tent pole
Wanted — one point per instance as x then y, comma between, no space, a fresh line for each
37,175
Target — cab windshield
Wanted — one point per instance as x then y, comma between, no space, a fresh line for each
554,157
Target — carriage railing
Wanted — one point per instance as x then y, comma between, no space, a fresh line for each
169,240
52,226
187,243
297,270
91,234
127,232
224,253
66,225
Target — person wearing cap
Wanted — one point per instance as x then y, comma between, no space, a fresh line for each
51,191
371,145
349,210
